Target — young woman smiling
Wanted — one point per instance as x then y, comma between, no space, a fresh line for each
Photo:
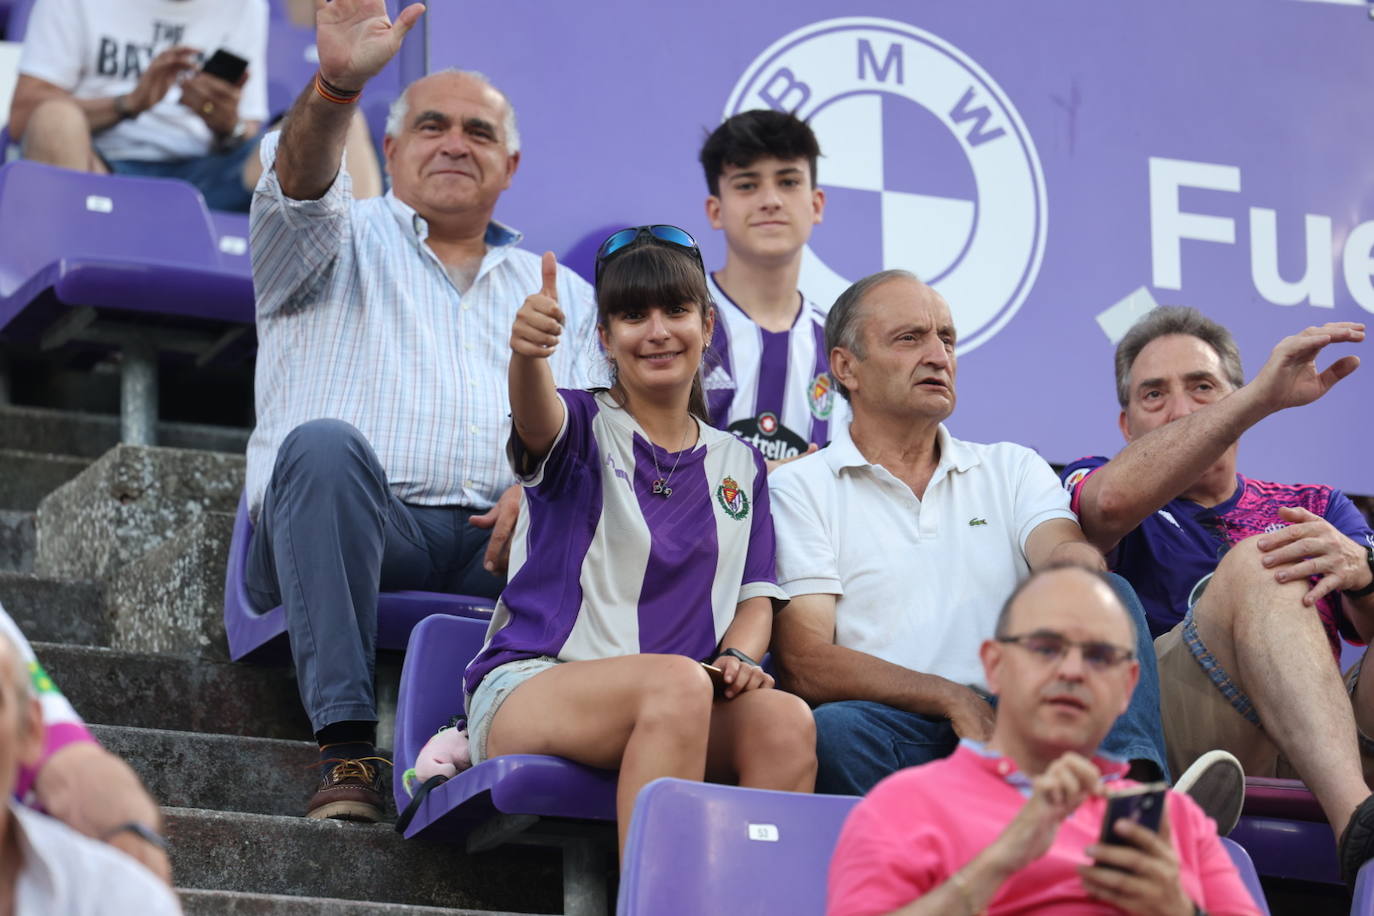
644,547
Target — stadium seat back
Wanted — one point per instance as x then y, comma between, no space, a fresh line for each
50,215
711,848
1246,867
18,22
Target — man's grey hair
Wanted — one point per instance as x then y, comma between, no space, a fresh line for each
400,109
1175,319
843,327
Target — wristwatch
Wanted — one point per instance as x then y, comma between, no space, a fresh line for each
121,105
736,653
1368,589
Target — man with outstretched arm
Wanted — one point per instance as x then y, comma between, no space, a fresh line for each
381,376
1248,645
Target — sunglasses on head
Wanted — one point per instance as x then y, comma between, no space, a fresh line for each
618,242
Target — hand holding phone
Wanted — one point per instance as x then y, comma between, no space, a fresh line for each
226,65
1143,805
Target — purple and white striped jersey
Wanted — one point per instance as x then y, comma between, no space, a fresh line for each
602,566
771,388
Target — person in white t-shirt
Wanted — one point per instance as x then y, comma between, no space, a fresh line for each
115,86
767,375
898,543
45,866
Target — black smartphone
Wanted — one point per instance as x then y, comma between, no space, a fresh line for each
226,65
717,677
1142,804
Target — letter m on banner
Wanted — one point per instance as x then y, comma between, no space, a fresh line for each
868,60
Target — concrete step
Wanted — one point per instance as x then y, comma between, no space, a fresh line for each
16,540
27,477
260,854
234,903
116,687
220,772
56,610
128,502
90,435
171,599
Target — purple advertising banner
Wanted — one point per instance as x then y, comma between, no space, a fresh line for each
1053,168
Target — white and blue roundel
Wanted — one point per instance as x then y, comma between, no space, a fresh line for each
926,165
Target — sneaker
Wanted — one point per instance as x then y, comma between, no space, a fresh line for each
350,790
1216,782
1357,842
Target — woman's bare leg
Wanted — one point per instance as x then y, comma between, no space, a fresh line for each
763,739
649,715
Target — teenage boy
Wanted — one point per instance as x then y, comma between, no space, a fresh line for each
767,370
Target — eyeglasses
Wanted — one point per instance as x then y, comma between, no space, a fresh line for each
1051,647
618,242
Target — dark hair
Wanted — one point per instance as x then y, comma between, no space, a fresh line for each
1175,319
749,136
650,273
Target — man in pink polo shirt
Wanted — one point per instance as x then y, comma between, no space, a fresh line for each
1013,825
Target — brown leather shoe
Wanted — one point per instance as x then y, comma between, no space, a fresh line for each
350,790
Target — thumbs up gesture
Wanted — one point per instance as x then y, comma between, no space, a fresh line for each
539,322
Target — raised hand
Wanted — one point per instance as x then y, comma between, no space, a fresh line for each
1290,377
539,322
356,38
162,73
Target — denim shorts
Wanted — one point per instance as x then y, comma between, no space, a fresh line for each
483,702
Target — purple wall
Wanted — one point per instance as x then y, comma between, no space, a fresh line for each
1033,217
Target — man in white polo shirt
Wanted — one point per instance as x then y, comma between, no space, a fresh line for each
897,545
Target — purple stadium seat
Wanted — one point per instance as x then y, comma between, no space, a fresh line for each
1241,859
1363,903
137,244
708,847
1286,833
17,22
714,848
257,636
521,798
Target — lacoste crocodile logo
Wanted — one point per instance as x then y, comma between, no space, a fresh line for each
975,522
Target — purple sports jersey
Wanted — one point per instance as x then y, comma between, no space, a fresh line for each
602,566
1169,557
771,388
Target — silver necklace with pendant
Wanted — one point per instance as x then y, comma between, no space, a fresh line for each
660,485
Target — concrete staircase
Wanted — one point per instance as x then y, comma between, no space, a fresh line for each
112,561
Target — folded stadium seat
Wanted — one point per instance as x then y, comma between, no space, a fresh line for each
520,798
707,847
261,637
117,263
710,847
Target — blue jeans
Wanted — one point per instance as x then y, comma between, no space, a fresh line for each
218,176
859,742
330,536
